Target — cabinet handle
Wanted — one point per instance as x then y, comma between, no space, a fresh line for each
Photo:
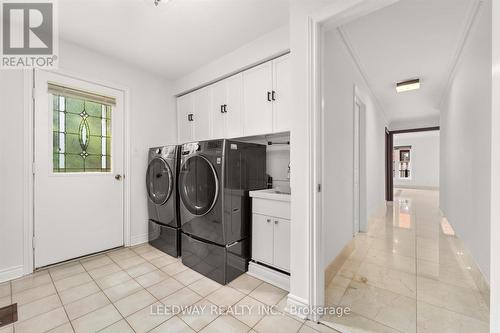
190,117
273,95
268,220
269,96
222,109
225,108
275,221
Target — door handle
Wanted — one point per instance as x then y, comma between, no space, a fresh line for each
118,177
269,96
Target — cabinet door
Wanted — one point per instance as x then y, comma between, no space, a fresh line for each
218,118
234,101
184,126
282,89
262,239
202,102
257,112
281,244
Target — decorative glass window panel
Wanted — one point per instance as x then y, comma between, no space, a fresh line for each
81,135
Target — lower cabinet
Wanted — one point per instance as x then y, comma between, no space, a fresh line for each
281,246
271,241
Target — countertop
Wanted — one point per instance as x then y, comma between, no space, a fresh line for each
271,194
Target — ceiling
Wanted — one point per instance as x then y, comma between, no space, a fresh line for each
410,39
172,39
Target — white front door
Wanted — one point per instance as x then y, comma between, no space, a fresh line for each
79,153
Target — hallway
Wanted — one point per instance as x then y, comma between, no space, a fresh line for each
409,273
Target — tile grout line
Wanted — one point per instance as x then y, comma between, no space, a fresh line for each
60,300
102,290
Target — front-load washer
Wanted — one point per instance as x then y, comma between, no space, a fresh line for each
214,179
163,206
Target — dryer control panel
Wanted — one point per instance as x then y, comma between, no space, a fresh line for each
190,148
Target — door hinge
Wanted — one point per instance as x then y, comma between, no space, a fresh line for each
319,187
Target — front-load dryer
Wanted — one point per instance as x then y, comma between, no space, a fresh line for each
214,179
163,205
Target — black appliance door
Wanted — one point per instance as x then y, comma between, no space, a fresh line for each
198,185
159,181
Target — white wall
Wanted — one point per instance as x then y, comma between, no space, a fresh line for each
152,122
424,168
265,47
11,173
414,123
495,177
340,76
466,143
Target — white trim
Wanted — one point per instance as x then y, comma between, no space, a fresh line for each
269,275
340,11
350,48
28,190
11,273
139,239
469,22
297,306
29,127
495,177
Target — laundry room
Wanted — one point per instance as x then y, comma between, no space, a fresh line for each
268,166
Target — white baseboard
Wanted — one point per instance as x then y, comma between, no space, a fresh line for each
11,273
269,275
299,307
139,239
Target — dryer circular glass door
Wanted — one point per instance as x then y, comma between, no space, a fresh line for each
159,181
198,185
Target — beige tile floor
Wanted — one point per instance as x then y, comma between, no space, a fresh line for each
405,274
114,292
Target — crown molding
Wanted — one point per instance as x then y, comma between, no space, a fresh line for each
464,37
350,48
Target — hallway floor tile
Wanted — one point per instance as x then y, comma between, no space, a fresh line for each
406,274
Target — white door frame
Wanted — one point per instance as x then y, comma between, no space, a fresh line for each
28,186
334,15
359,164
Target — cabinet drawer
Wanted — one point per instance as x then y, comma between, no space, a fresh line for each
274,208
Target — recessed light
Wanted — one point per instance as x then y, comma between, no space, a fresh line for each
408,85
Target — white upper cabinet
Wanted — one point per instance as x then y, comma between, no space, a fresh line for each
226,108
217,110
257,100
254,102
202,100
234,106
281,94
185,113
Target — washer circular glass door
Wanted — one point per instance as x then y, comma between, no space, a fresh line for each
198,185
159,181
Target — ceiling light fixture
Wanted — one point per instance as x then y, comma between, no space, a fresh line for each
408,85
